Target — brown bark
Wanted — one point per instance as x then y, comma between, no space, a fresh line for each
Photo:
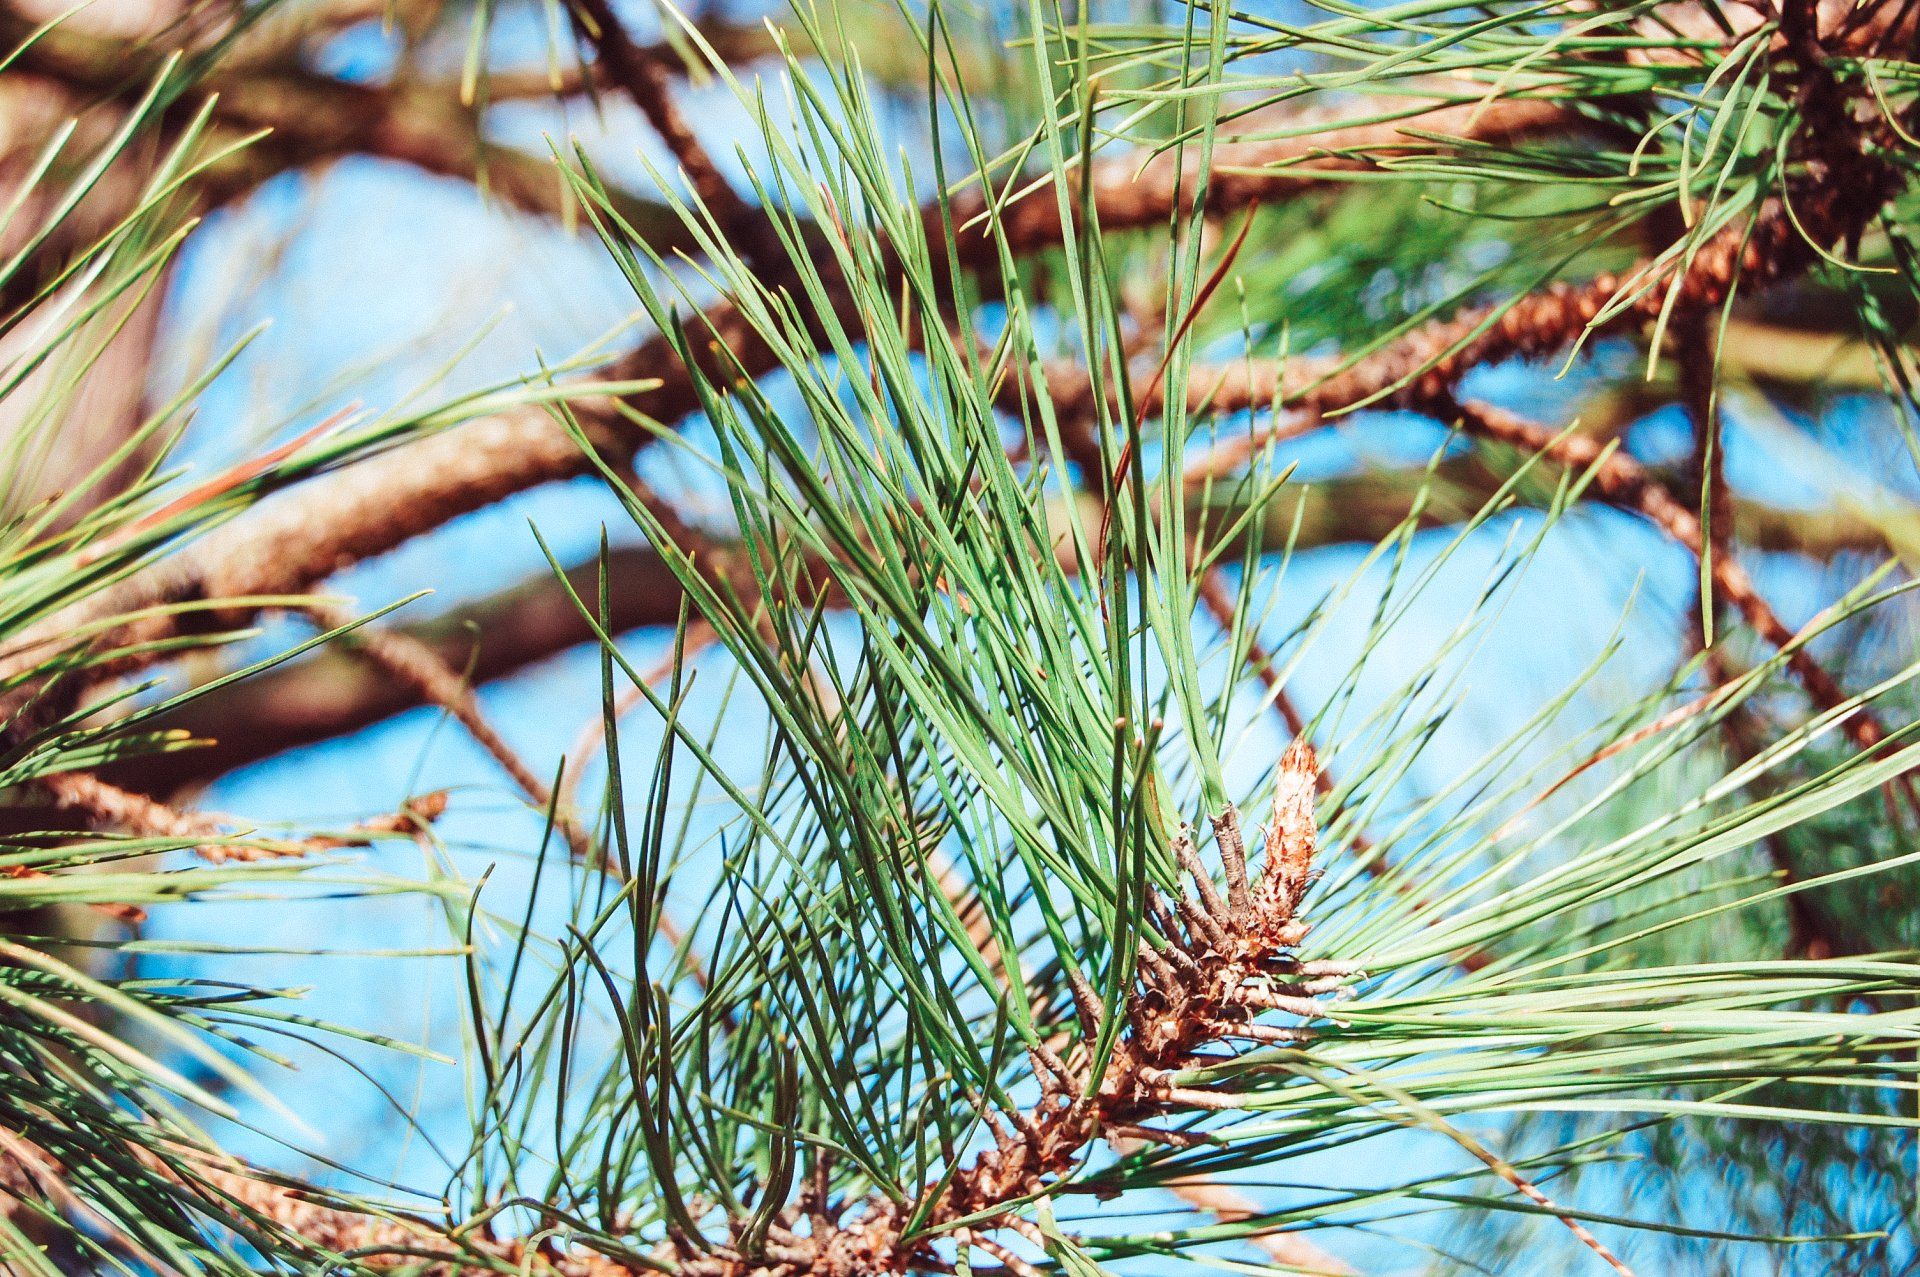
332,693
1623,480
300,539
1130,196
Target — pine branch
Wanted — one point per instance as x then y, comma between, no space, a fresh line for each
334,694
1129,195
108,807
1218,601
642,74
227,1189
1625,481
330,524
1211,976
1222,963
502,455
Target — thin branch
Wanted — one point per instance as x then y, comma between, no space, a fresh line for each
1129,195
106,806
593,736
1235,964
419,667
1230,957
331,694
643,74
1212,1198
1627,482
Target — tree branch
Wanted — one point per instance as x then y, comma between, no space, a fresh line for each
315,119
299,539
420,672
1128,195
1427,362
108,807
1624,481
642,74
332,694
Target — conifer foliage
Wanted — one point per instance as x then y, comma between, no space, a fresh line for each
992,879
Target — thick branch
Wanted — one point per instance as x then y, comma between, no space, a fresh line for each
1129,196
1425,363
305,536
294,541
334,694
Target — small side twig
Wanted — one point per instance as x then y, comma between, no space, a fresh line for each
105,806
1625,481
643,74
1219,604
410,661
